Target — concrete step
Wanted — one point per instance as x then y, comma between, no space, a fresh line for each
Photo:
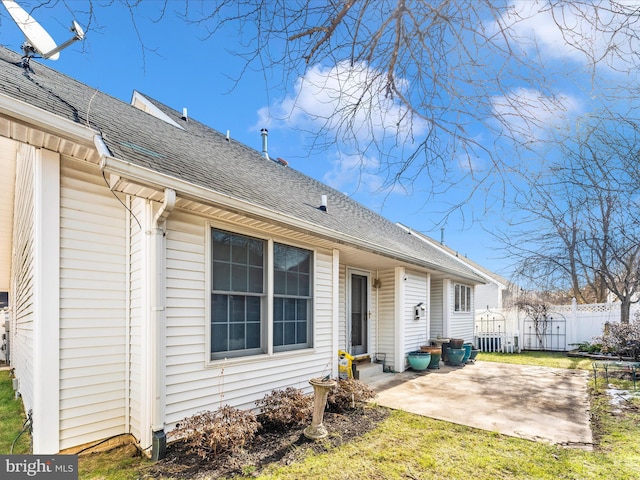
367,370
381,381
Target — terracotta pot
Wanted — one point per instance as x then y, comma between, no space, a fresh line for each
431,349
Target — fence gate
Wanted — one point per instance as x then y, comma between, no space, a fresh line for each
492,333
545,331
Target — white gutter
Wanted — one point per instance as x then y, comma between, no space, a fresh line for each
46,121
158,180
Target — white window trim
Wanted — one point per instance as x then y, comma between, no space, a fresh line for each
469,306
269,353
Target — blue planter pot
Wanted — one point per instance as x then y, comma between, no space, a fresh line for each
434,364
467,352
419,360
474,354
455,356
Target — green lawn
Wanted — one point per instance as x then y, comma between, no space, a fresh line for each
11,419
407,446
543,359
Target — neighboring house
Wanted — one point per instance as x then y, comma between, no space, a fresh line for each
157,268
494,293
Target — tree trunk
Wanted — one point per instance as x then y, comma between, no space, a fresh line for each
625,308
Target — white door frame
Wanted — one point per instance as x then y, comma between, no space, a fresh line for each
367,346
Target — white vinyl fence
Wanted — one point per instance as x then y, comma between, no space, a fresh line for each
564,326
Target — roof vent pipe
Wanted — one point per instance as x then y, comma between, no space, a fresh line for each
265,133
442,235
184,114
323,203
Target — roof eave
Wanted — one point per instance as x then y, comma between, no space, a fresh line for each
157,180
49,122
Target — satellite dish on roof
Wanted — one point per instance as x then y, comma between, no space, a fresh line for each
37,40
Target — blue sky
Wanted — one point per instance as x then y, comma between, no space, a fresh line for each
178,65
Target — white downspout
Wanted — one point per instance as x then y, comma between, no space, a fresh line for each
158,323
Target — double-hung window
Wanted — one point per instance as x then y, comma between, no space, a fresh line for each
239,317
292,302
462,298
238,296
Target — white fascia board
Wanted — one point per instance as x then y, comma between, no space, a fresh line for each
160,181
46,121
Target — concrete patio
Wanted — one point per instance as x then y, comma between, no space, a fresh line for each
535,403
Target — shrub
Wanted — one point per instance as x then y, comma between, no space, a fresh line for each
621,338
225,430
589,347
284,408
348,395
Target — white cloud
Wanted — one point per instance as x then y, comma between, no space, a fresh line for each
350,172
578,31
347,103
346,100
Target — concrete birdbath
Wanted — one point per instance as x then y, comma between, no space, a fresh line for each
321,388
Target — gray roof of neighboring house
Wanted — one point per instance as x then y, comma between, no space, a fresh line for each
484,271
203,157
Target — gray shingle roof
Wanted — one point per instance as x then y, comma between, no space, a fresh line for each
203,156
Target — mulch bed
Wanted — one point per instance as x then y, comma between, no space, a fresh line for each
284,447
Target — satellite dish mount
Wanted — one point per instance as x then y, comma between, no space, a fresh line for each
37,40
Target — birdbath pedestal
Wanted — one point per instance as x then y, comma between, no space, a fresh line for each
321,388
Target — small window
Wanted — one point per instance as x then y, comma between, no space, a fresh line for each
238,295
292,300
462,298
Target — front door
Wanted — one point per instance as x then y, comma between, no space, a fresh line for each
359,314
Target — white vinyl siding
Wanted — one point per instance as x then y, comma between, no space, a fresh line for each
187,317
386,313
21,303
136,367
416,331
7,192
193,383
437,308
461,324
462,327
92,308
487,296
